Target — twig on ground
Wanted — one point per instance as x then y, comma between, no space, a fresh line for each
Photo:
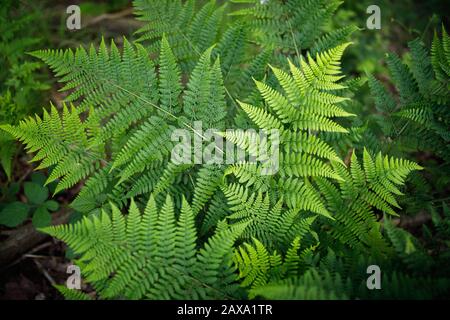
109,16
44,272
29,253
407,222
24,239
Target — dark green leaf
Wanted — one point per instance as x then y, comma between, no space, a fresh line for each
39,178
51,205
42,218
35,193
14,214
13,188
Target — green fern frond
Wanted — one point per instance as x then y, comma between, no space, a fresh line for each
384,101
205,97
256,265
190,30
403,79
217,211
273,225
151,255
440,55
310,286
333,39
407,247
72,294
108,81
421,119
62,142
148,143
208,180
169,79
275,23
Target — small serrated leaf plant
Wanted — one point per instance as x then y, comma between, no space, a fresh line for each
38,205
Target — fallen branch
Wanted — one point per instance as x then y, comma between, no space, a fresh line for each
419,219
24,239
109,16
408,222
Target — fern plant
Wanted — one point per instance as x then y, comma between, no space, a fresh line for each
421,120
238,29
307,230
417,122
77,149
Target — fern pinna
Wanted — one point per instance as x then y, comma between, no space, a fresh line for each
156,229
